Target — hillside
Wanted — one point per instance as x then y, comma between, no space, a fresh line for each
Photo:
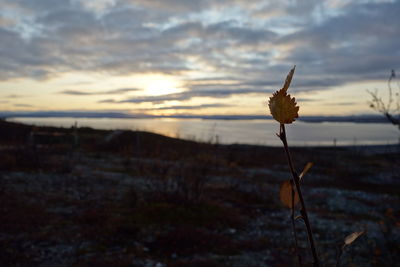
94,198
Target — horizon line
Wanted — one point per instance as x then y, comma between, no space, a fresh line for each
362,118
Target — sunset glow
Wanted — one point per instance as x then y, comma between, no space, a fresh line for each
160,85
195,57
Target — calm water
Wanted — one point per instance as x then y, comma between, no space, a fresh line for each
260,132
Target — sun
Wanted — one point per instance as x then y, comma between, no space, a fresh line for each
159,84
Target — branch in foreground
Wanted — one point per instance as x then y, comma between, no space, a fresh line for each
296,180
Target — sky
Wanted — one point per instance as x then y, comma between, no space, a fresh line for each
202,57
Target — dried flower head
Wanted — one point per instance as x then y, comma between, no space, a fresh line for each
284,108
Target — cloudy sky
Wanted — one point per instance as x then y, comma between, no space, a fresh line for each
195,56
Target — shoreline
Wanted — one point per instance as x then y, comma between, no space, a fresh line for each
303,134
373,147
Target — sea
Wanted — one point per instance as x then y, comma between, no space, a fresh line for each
255,132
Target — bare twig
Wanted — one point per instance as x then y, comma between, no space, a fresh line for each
385,107
296,243
296,180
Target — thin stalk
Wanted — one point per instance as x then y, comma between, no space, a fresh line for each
296,243
296,180
339,253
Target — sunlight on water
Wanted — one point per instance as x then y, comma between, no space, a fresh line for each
260,132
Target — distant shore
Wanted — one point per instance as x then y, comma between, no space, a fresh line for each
366,118
24,129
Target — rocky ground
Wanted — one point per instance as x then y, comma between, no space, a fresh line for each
80,197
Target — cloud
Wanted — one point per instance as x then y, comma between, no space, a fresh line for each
358,44
342,104
121,91
300,99
250,43
109,92
107,101
171,5
76,92
13,96
189,107
23,105
184,96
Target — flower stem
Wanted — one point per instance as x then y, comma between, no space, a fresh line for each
296,180
296,243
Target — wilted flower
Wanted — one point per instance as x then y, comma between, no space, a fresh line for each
284,108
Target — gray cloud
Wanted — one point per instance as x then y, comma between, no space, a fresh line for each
300,99
251,43
107,101
172,5
340,104
23,105
190,107
109,92
184,96
359,44
121,91
13,96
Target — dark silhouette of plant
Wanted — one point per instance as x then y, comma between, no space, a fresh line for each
347,242
284,109
391,107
